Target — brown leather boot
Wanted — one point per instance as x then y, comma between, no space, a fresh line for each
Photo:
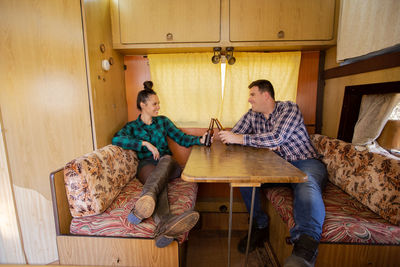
173,226
155,183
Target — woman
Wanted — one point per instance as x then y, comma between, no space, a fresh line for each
147,135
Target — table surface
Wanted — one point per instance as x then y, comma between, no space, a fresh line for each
239,164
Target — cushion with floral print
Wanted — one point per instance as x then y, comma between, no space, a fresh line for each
371,178
94,180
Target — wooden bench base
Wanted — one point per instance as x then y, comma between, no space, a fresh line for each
109,251
331,255
105,251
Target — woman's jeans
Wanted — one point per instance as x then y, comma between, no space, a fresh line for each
308,206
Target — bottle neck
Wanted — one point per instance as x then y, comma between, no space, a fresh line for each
211,126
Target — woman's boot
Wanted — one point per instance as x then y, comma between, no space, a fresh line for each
170,226
155,183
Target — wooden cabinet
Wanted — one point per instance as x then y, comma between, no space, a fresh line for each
141,27
168,21
281,20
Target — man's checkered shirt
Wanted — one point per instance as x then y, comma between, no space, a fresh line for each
283,130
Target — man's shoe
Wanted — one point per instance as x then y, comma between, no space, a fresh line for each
304,252
168,230
257,239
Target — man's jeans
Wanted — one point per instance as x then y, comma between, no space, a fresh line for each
308,207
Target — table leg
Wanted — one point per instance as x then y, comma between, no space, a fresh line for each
230,225
253,185
250,225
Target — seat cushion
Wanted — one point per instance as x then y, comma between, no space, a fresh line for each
346,220
113,221
94,180
373,179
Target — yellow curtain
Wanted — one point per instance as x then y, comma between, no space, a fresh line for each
281,69
188,86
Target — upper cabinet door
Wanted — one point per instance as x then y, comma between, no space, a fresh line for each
169,21
281,20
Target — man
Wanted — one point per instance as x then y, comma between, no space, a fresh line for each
279,126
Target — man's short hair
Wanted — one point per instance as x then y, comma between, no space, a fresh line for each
264,86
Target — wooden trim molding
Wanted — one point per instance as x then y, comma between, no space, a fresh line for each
320,93
385,61
307,86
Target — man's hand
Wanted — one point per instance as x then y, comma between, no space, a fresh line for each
230,138
152,149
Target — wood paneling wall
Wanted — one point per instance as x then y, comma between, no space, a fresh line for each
390,136
137,72
307,88
109,107
45,108
11,249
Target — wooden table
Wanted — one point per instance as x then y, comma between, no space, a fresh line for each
240,166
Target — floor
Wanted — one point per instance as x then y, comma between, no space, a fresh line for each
209,248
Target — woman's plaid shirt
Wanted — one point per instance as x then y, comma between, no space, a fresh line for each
134,132
283,130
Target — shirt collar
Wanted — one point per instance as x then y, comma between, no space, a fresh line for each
141,123
262,114
275,108
272,115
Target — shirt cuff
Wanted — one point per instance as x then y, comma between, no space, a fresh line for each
198,141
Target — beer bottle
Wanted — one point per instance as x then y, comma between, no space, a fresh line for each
219,125
210,133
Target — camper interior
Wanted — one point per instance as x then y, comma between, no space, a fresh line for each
72,69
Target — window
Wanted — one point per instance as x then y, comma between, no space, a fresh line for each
192,90
395,115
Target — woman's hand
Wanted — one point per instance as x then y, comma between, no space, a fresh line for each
203,138
152,149
230,138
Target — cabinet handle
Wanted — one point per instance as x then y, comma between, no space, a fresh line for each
170,36
281,34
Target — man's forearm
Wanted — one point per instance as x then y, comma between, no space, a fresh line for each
239,139
231,138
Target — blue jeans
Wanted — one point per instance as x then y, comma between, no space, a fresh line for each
308,206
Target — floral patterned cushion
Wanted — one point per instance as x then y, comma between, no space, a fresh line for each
113,221
371,178
346,220
94,180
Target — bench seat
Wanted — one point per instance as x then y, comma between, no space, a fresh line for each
113,221
362,222
92,197
346,220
